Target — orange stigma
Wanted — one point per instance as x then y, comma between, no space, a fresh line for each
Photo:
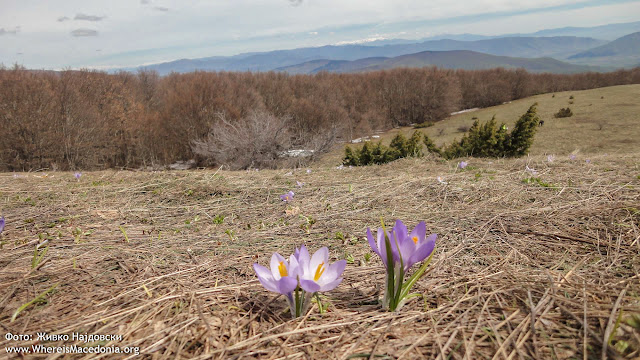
319,271
415,239
283,269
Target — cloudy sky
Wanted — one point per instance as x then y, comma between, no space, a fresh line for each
55,34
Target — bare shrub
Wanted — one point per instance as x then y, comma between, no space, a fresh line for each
463,128
563,113
255,140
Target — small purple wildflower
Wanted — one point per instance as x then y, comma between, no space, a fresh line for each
406,249
1,224
287,197
531,171
299,184
588,161
308,171
572,157
550,158
77,175
462,164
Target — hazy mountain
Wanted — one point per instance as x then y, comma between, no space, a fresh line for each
605,32
625,51
514,46
457,59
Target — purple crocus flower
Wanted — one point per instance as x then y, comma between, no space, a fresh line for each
287,197
462,164
531,171
588,161
77,175
315,272
282,276
1,224
550,158
299,184
407,248
308,171
572,157
413,247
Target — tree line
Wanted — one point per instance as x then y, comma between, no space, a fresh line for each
93,120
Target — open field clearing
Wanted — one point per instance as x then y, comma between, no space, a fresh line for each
526,266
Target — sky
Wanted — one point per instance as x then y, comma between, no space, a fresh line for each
54,34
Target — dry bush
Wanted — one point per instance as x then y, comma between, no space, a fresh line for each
256,140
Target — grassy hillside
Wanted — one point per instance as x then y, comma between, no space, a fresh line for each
165,259
605,120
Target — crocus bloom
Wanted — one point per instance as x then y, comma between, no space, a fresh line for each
588,161
77,175
1,224
550,158
531,171
308,171
287,197
412,247
315,272
406,250
441,181
572,157
299,184
281,278
462,164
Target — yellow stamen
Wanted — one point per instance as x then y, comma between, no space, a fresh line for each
283,269
415,239
319,271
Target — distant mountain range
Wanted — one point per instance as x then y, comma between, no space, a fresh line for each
514,46
455,59
507,51
625,51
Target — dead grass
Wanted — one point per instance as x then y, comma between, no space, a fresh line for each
521,270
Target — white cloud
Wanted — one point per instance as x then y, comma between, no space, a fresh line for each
88,17
84,32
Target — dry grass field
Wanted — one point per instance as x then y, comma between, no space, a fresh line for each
525,267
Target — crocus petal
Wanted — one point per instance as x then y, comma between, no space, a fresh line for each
333,271
275,263
265,277
294,267
420,231
400,230
309,285
382,247
372,242
331,285
423,251
319,257
303,261
1,224
287,284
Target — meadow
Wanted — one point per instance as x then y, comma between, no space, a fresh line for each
530,265
604,120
